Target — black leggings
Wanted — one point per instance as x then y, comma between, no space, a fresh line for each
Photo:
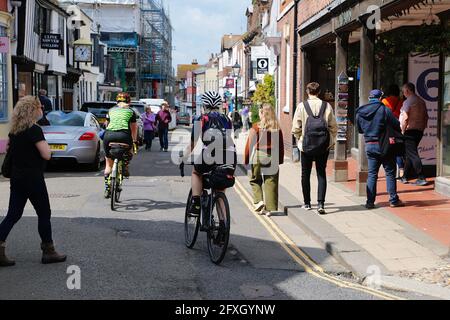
26,188
321,166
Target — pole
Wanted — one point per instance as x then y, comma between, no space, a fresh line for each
236,94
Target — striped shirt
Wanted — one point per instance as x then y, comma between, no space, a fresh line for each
120,119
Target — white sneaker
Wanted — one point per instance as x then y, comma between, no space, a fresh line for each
259,207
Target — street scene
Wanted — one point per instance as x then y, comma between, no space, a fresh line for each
241,150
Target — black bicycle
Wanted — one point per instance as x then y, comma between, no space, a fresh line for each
214,220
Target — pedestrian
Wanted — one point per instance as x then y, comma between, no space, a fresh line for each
413,122
163,118
45,101
395,103
245,118
237,122
315,128
373,120
149,120
28,150
264,150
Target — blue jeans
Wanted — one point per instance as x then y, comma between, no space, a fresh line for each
164,138
375,162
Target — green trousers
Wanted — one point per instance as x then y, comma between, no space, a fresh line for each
265,187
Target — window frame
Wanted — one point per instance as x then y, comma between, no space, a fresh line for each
4,94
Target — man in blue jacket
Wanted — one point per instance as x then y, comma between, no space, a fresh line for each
372,120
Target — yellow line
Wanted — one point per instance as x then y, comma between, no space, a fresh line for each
301,257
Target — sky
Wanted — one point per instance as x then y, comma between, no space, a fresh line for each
199,25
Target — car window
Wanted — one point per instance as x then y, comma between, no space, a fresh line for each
59,118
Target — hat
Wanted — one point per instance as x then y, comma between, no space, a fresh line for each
376,94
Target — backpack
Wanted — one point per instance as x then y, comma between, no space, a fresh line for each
392,142
316,140
215,121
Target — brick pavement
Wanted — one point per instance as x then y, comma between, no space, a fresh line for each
392,236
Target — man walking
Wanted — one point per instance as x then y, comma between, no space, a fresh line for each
45,101
163,119
413,121
315,129
373,119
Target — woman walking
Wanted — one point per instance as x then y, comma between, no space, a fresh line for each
29,151
265,152
149,119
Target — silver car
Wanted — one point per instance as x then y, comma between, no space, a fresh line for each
75,135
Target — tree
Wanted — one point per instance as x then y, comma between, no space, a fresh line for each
265,91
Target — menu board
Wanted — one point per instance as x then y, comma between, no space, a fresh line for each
342,107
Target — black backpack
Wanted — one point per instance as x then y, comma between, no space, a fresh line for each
317,137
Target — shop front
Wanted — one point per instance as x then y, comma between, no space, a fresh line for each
369,46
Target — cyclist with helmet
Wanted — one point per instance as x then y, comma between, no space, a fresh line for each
211,125
121,127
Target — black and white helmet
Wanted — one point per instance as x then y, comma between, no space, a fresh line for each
211,100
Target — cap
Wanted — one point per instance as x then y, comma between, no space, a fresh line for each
376,94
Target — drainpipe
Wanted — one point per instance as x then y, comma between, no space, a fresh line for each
295,71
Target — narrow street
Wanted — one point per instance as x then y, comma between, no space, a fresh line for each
138,252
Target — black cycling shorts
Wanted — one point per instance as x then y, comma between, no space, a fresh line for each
116,136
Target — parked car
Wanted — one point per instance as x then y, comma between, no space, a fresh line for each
139,106
183,118
140,123
99,109
75,135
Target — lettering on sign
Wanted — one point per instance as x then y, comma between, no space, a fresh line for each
344,18
50,41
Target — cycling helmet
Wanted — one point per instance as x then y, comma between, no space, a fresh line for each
123,97
211,100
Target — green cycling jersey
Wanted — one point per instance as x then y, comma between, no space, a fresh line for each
120,118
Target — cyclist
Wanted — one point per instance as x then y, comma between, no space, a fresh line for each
121,127
221,126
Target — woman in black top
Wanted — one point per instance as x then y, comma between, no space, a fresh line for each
29,151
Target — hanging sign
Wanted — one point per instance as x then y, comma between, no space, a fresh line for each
50,41
262,65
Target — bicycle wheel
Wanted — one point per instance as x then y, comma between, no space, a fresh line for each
113,193
191,225
219,231
119,183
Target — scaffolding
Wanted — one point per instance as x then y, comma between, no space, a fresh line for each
155,72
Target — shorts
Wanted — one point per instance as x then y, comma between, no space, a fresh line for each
116,136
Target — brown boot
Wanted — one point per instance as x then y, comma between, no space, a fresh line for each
49,255
4,261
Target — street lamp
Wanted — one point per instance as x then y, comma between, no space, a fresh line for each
236,73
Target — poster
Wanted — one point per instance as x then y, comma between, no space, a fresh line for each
423,71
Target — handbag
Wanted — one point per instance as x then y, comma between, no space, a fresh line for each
7,164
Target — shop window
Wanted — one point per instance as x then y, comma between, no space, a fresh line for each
446,121
3,82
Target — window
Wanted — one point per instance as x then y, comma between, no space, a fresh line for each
61,30
42,20
3,82
287,107
445,131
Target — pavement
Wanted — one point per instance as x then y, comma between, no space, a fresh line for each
138,251
409,246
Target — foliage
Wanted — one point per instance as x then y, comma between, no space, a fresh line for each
254,114
265,92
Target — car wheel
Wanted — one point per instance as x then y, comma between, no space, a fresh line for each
96,165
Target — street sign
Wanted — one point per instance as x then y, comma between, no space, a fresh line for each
262,65
51,41
229,83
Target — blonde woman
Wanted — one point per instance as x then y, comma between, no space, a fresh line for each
265,152
29,151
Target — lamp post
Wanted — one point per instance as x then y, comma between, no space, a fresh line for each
236,72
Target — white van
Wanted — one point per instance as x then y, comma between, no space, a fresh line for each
155,104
